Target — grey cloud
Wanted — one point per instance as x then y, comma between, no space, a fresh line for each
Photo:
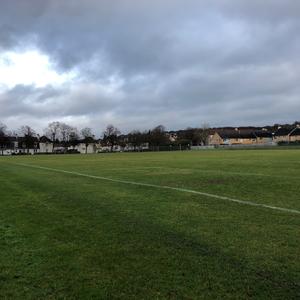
177,62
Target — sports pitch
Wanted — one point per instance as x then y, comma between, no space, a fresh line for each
170,225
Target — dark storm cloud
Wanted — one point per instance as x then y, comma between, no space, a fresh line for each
140,63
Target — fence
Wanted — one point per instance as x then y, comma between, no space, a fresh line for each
202,147
250,146
240,146
169,148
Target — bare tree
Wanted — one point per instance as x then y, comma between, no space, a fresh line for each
195,136
136,139
157,136
29,137
86,132
110,136
62,133
73,138
203,133
27,131
88,137
59,131
65,131
4,139
188,136
52,131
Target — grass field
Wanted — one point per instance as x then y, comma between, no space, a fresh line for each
68,236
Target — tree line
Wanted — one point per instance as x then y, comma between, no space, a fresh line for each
66,135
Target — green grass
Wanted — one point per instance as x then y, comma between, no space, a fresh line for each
64,236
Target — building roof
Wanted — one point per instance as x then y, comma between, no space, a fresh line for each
12,138
295,132
236,134
283,131
263,134
44,139
23,138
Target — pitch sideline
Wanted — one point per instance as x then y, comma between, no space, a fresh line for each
244,202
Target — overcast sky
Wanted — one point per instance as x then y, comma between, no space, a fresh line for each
138,63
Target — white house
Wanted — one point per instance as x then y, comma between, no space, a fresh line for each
85,148
45,145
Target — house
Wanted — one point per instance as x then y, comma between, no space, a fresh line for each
10,146
264,137
242,136
232,137
294,135
31,145
84,148
281,135
45,145
215,139
27,145
24,145
287,135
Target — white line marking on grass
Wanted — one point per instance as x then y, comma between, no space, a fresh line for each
166,188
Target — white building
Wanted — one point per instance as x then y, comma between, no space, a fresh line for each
85,148
45,145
